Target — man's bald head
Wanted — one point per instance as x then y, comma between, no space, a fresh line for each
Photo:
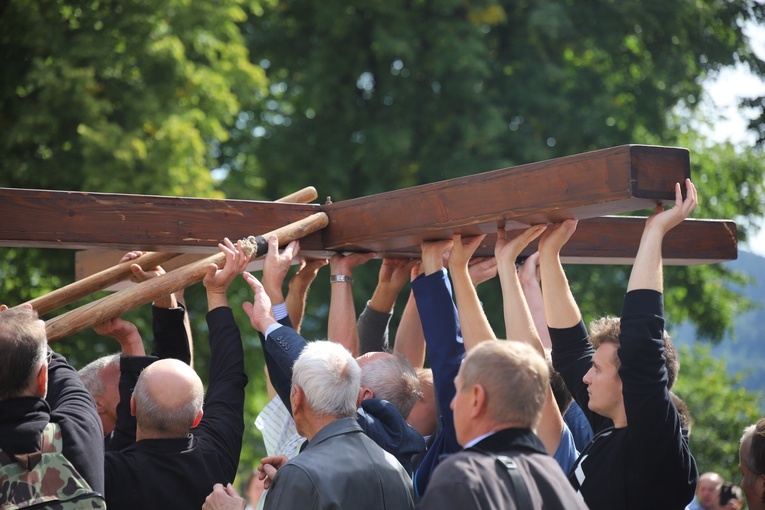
168,399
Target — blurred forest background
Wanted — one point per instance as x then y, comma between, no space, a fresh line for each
254,99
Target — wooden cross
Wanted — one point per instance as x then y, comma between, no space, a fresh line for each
587,186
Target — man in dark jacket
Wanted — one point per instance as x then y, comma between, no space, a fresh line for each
169,466
622,385
501,387
38,387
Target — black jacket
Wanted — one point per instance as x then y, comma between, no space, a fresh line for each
70,405
180,473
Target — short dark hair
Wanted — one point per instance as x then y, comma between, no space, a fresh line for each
607,330
22,347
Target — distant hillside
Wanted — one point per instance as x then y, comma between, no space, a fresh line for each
746,351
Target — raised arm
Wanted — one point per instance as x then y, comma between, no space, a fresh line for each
560,307
647,271
342,311
519,324
473,322
528,274
373,322
298,289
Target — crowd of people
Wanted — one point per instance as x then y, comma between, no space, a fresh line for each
553,416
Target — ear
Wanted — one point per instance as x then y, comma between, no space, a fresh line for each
477,400
132,406
297,399
197,419
100,407
364,393
41,381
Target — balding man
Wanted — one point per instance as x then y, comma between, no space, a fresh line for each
169,466
341,467
707,492
501,388
44,410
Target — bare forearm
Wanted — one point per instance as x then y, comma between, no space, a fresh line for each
410,339
342,317
519,324
561,309
473,322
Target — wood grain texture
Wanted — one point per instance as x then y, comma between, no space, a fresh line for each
609,181
75,220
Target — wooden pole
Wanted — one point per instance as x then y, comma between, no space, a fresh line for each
95,282
303,196
145,292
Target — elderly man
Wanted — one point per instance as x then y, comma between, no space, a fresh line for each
501,388
168,466
390,384
752,465
341,467
45,412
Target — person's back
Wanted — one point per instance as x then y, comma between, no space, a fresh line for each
361,475
501,388
44,408
179,454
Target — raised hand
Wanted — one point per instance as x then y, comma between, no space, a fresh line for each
259,311
507,250
556,236
217,280
276,266
663,220
463,250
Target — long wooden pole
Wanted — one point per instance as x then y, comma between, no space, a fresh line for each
303,196
145,292
95,282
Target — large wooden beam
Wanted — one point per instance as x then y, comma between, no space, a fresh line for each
610,181
76,220
615,240
590,185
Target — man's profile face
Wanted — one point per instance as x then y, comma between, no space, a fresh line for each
604,385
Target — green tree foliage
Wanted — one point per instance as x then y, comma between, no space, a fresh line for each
123,97
382,95
720,409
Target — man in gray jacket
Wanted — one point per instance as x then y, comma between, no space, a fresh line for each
341,467
501,387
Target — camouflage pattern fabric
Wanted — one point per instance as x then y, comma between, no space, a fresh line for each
44,479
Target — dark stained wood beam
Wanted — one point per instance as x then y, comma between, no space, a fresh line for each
610,181
76,220
615,240
584,186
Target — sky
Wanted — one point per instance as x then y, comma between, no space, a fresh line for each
724,92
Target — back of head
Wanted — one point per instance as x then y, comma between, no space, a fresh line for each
753,448
607,329
23,348
515,379
92,374
394,379
329,377
168,398
686,421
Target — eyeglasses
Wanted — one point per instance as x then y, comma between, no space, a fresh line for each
49,356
